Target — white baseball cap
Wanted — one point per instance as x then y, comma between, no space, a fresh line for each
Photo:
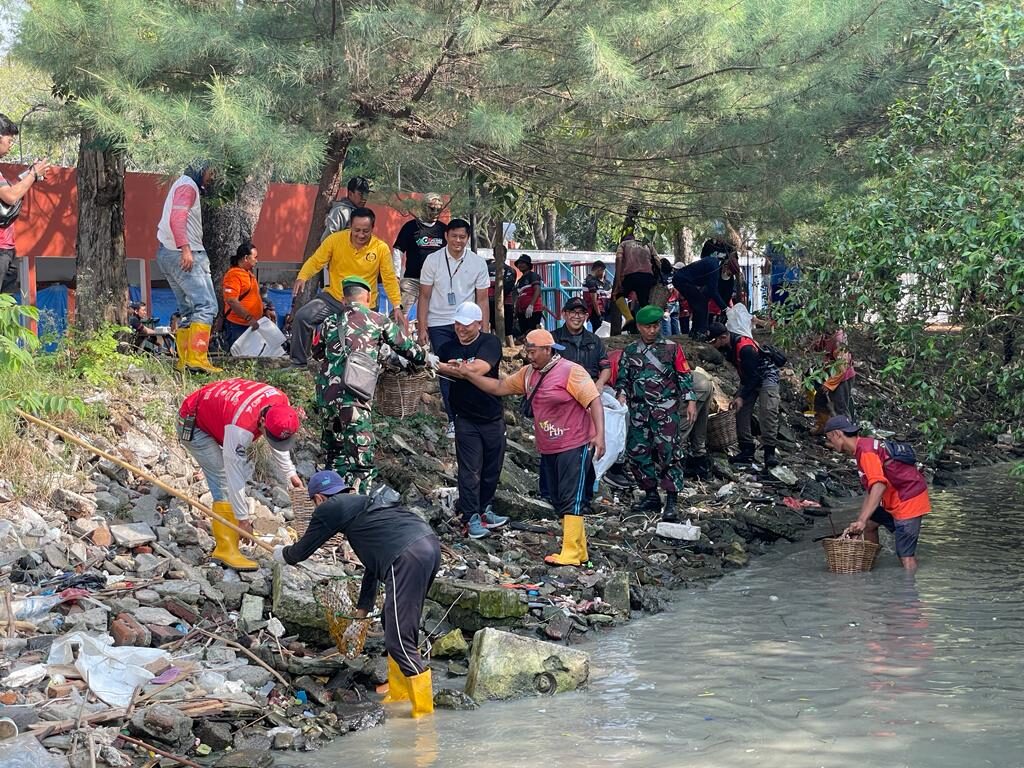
468,312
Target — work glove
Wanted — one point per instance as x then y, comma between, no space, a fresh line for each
279,554
529,312
432,361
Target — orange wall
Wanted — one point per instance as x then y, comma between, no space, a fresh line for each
49,218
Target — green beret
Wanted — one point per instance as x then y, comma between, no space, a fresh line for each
649,315
355,281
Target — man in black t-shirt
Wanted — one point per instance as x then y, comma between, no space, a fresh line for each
479,421
416,240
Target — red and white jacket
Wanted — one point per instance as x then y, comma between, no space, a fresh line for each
229,412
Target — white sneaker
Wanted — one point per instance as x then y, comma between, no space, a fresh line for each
450,432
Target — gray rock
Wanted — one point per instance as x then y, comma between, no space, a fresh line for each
616,593
233,592
520,507
255,677
186,591
358,716
284,737
163,723
94,619
253,740
507,666
73,502
280,497
185,534
475,606
145,511
148,596
132,534
106,503
219,654
294,601
155,615
149,566
245,758
214,734
252,609
448,698
559,626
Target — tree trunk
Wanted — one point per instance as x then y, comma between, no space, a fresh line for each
327,191
550,228
500,254
590,237
228,223
101,269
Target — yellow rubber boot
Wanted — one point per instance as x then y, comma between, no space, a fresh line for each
574,543
181,341
226,552
398,684
421,693
198,346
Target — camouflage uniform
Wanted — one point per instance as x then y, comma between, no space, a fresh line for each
347,439
653,446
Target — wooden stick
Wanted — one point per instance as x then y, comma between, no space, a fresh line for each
155,750
145,476
248,653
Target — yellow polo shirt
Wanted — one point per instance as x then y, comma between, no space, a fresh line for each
372,263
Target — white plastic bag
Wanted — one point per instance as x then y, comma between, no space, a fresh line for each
615,415
680,531
265,341
113,673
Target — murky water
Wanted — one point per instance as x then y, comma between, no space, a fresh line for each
782,665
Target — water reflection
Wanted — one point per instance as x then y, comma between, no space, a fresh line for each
782,664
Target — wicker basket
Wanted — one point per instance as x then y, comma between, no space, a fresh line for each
302,509
722,430
399,394
850,555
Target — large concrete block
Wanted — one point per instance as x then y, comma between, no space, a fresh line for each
508,666
475,606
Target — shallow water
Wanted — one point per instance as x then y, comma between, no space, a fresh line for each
781,664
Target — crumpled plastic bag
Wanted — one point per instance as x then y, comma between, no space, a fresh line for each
615,415
112,673
266,341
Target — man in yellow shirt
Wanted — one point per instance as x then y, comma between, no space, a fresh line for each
352,252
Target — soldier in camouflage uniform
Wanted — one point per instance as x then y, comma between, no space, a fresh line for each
653,378
347,440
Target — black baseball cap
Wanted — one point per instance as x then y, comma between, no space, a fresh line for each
574,303
843,424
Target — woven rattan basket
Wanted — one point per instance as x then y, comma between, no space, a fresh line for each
722,430
850,555
302,509
400,394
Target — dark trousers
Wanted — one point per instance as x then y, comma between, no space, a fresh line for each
544,486
641,284
405,588
595,321
567,478
232,333
9,271
306,320
480,453
532,323
698,302
439,336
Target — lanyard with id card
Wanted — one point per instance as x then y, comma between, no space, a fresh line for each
451,277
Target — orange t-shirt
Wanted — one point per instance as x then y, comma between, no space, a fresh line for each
871,472
242,284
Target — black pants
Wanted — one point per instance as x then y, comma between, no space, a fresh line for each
698,302
545,487
527,324
641,284
232,333
9,271
306,319
480,453
566,475
405,588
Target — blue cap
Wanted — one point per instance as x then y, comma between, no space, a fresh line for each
328,482
841,423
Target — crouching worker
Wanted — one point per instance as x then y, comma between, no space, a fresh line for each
897,491
397,548
216,424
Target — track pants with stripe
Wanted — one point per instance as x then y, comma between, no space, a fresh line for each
566,474
405,588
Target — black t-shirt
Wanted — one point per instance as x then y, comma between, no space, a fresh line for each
466,400
417,241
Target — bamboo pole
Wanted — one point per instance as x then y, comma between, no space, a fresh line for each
145,476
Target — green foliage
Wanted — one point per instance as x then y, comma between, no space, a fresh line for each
94,357
929,253
17,342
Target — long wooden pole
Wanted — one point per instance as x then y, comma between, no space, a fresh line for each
145,476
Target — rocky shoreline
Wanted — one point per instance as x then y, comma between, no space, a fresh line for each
242,664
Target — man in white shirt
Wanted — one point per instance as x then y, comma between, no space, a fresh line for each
450,276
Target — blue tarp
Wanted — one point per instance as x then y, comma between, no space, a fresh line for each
52,304
164,305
